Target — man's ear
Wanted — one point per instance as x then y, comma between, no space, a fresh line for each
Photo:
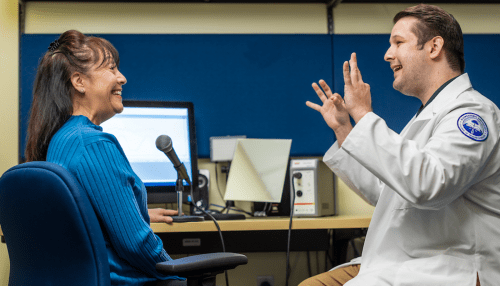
435,47
78,82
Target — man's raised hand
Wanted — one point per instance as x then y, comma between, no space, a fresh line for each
357,96
333,110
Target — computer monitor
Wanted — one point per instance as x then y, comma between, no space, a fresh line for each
137,129
258,170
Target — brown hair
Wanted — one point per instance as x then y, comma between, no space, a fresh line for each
434,21
52,102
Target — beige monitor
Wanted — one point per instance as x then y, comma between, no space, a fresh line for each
258,170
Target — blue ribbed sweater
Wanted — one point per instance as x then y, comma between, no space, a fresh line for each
117,195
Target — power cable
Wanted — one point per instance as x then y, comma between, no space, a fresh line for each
295,176
216,225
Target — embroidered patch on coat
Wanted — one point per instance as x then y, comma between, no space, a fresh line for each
473,126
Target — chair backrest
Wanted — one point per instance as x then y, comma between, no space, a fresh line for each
53,236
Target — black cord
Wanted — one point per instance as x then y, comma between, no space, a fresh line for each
317,262
219,206
330,247
218,228
330,259
216,224
326,261
217,181
354,249
212,210
236,209
309,264
290,228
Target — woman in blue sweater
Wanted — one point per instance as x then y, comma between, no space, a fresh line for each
77,87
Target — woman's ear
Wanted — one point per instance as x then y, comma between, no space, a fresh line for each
77,81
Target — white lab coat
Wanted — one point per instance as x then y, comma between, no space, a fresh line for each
437,193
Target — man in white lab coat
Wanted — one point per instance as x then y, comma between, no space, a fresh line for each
436,186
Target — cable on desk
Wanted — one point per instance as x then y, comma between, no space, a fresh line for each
232,208
217,181
227,207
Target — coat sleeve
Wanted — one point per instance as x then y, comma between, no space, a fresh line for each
353,174
429,176
108,179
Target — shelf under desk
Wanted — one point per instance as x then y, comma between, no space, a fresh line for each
269,223
256,234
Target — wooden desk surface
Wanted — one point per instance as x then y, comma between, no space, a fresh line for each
270,223
278,223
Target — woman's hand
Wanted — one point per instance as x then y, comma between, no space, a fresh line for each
162,215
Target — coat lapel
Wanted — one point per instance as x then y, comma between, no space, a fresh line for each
448,94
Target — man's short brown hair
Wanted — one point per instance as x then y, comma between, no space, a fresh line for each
434,21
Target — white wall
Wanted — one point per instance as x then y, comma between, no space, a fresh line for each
377,18
174,18
9,101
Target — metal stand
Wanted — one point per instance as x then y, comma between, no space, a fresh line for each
179,188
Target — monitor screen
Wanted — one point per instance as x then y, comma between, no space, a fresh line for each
137,129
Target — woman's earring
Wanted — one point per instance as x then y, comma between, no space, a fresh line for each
82,90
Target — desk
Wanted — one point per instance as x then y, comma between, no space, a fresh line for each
269,223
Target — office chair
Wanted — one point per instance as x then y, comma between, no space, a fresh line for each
53,236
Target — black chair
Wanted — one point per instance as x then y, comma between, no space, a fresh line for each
53,236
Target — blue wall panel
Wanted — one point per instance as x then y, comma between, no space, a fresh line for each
257,85
253,85
482,62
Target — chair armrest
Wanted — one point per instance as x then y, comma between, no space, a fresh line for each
201,264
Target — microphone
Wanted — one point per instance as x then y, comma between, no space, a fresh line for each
164,144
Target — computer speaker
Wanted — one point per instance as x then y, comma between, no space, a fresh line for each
200,195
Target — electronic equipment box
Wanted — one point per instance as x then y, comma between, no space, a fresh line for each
313,183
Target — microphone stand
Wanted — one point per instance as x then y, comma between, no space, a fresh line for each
179,188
